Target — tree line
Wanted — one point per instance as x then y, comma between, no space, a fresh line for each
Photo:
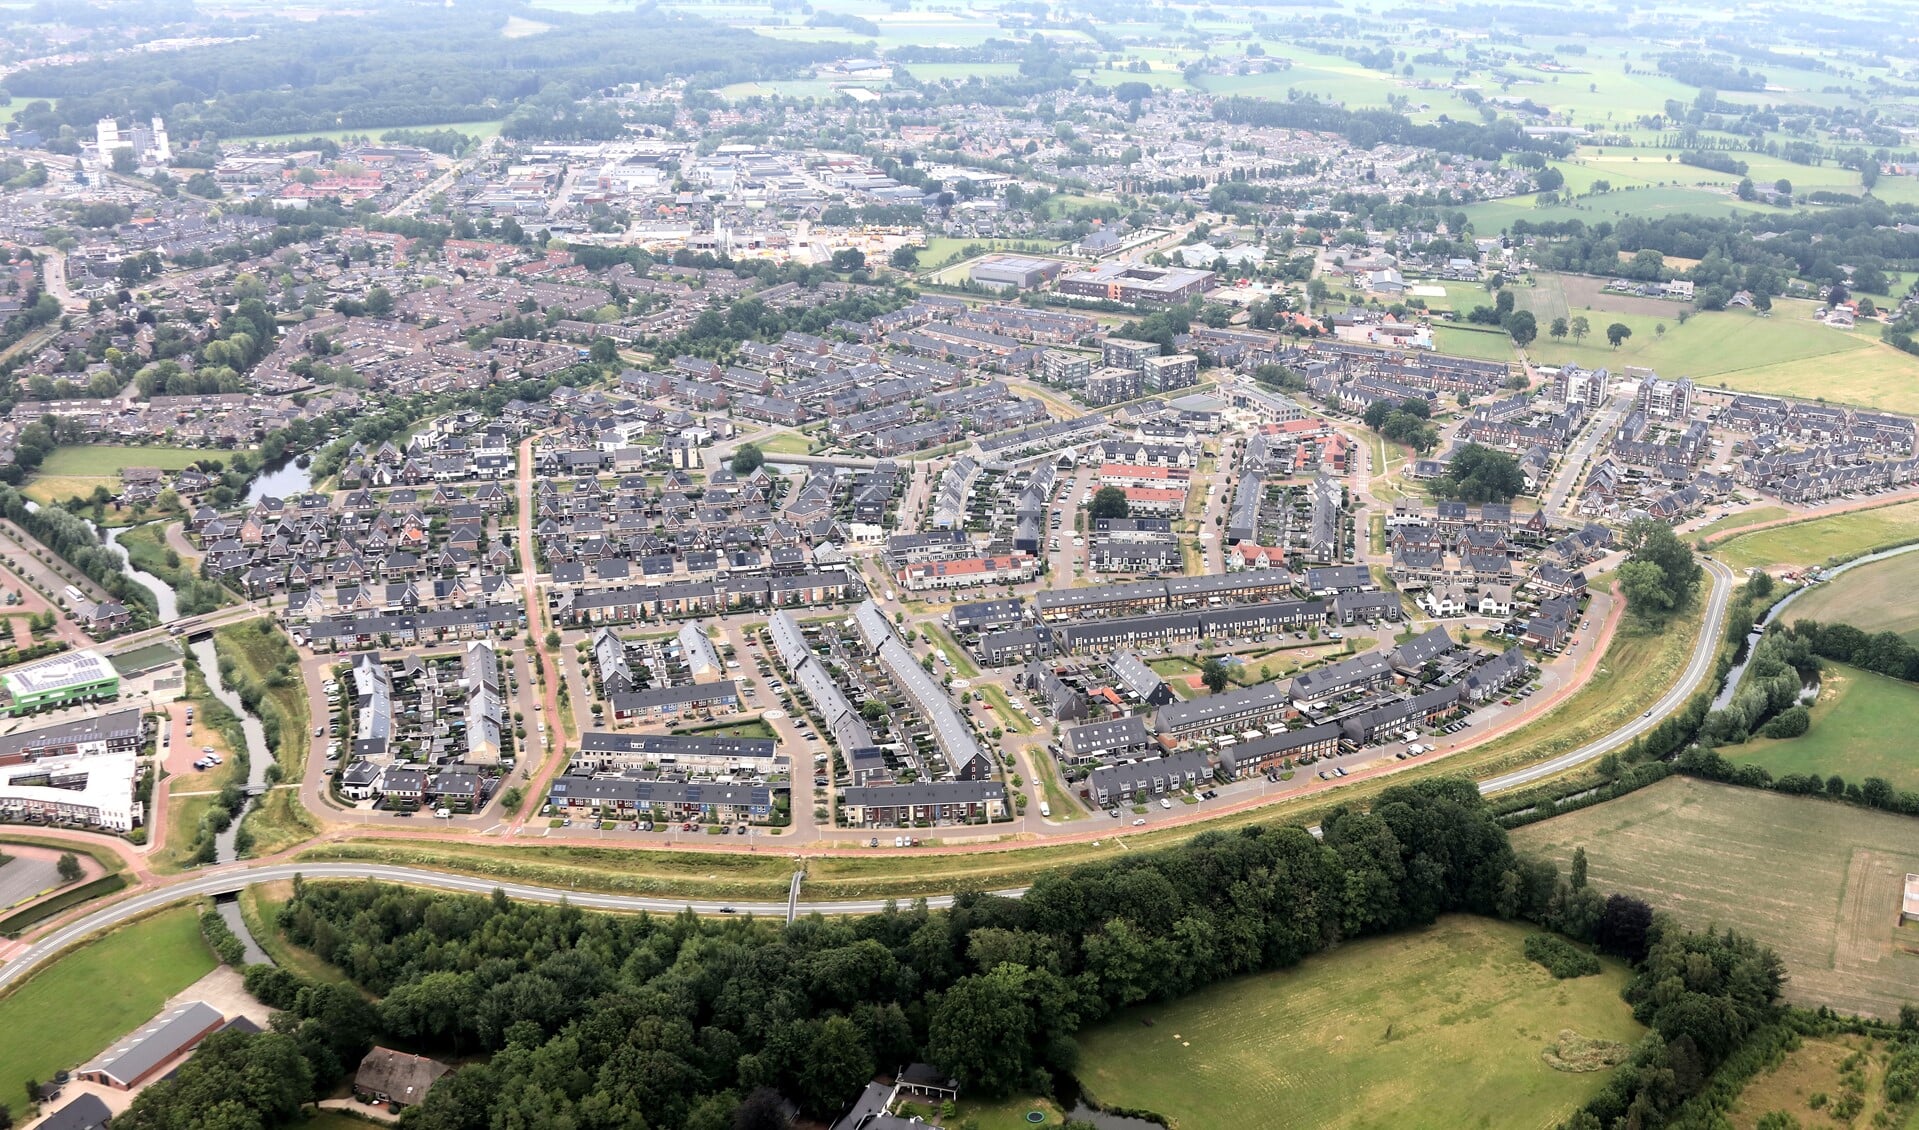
587,1020
394,65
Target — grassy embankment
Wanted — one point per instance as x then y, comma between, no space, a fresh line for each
1821,540
259,663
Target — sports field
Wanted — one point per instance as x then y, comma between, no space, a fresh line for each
1818,881
1880,597
78,1006
1432,1027
70,471
1862,726
1821,539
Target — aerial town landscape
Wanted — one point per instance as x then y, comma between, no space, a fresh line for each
865,564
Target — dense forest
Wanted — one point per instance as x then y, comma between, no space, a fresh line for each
571,1019
393,65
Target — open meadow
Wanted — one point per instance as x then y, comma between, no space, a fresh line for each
70,471
1862,727
1786,353
80,1004
1428,1028
1816,880
1817,541
1880,597
1819,1066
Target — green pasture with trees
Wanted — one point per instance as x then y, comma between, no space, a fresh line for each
565,1016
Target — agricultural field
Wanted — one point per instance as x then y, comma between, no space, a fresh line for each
1862,727
1875,376
1709,344
70,471
1880,597
1489,217
80,1004
1818,881
1426,1028
1821,539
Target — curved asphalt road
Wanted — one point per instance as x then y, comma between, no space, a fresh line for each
1696,673
234,877
231,879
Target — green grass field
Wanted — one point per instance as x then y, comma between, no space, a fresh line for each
70,471
1816,541
1482,344
1819,1066
1861,727
79,1005
1741,520
478,130
1875,375
1709,345
1880,597
1818,881
1432,1027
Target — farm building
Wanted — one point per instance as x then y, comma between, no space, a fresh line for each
137,1058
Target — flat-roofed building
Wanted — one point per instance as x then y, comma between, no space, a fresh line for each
75,676
1019,272
95,791
1137,284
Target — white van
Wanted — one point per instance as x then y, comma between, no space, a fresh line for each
1045,809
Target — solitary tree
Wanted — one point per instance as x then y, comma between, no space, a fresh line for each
1617,333
1580,328
1213,674
747,459
1110,502
1558,329
69,867
1523,327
